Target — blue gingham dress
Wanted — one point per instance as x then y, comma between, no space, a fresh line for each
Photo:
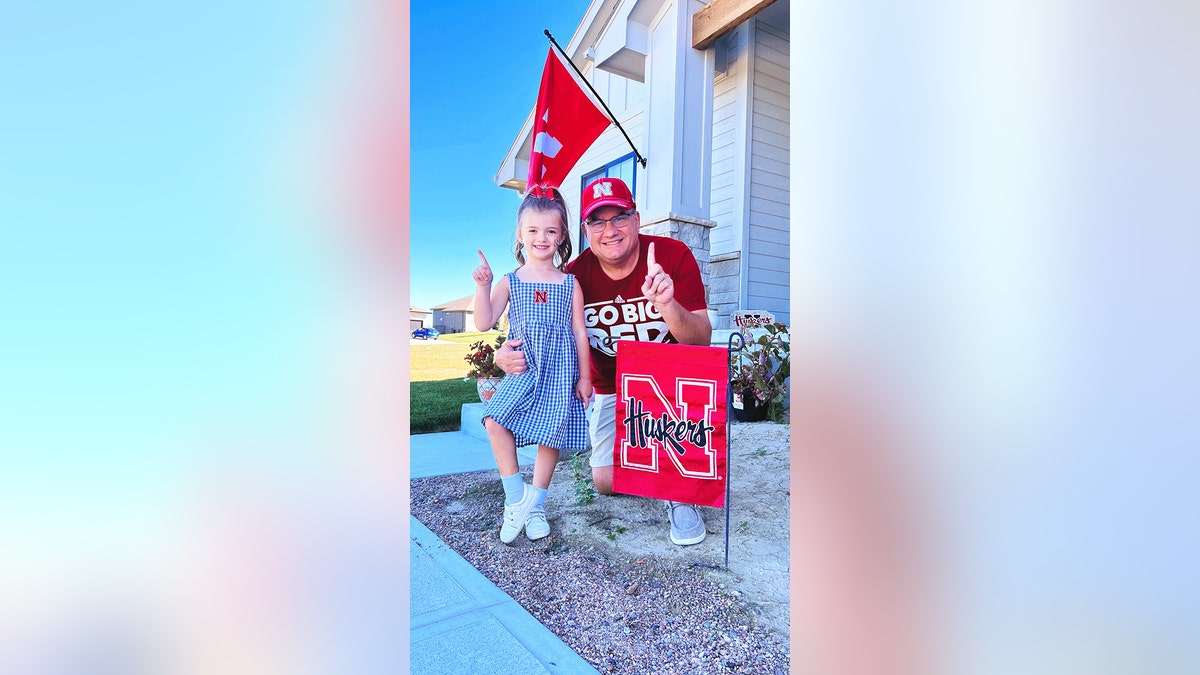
539,405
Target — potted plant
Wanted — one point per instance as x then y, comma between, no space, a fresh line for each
758,372
485,372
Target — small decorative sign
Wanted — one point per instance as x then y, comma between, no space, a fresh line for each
745,319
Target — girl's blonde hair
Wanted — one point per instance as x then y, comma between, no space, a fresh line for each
540,199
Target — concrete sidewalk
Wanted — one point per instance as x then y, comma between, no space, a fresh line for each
458,451
460,621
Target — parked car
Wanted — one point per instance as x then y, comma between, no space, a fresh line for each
426,333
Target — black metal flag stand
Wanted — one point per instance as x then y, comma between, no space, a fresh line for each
741,344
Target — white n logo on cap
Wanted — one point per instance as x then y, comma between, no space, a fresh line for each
602,190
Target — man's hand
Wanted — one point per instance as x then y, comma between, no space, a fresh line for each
483,273
658,286
510,360
688,327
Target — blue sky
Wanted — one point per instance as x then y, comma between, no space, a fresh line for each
470,96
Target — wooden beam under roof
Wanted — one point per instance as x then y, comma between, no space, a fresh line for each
721,16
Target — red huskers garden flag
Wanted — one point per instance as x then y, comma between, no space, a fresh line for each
671,422
567,120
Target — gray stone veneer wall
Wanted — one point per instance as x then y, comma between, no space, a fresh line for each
692,231
725,288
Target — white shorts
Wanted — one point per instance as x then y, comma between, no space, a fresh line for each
602,428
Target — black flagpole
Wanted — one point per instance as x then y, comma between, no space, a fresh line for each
611,116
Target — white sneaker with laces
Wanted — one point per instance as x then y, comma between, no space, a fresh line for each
515,516
687,525
536,526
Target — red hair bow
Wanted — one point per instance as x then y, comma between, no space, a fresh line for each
544,191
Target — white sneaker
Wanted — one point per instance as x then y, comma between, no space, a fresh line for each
515,515
687,525
537,527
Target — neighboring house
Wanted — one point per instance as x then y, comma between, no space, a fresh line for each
418,318
456,316
703,92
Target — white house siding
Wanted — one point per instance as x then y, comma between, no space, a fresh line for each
767,253
727,200
728,145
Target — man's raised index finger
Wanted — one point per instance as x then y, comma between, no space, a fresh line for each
650,255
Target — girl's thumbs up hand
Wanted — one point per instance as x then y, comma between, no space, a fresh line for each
483,273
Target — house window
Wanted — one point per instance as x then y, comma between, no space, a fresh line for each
623,168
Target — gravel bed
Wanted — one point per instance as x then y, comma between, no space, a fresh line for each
624,611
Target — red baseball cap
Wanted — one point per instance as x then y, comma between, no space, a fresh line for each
605,192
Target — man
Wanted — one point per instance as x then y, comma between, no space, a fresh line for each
636,287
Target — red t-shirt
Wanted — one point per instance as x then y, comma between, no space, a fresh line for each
616,308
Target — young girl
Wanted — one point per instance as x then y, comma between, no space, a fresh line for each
544,404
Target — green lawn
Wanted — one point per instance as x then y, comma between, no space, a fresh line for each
437,405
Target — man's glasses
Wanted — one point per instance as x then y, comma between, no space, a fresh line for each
598,225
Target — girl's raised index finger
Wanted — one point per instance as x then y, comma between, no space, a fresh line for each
485,262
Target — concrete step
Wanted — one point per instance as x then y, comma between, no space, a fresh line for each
470,419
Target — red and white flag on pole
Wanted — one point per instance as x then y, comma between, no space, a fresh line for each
567,120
